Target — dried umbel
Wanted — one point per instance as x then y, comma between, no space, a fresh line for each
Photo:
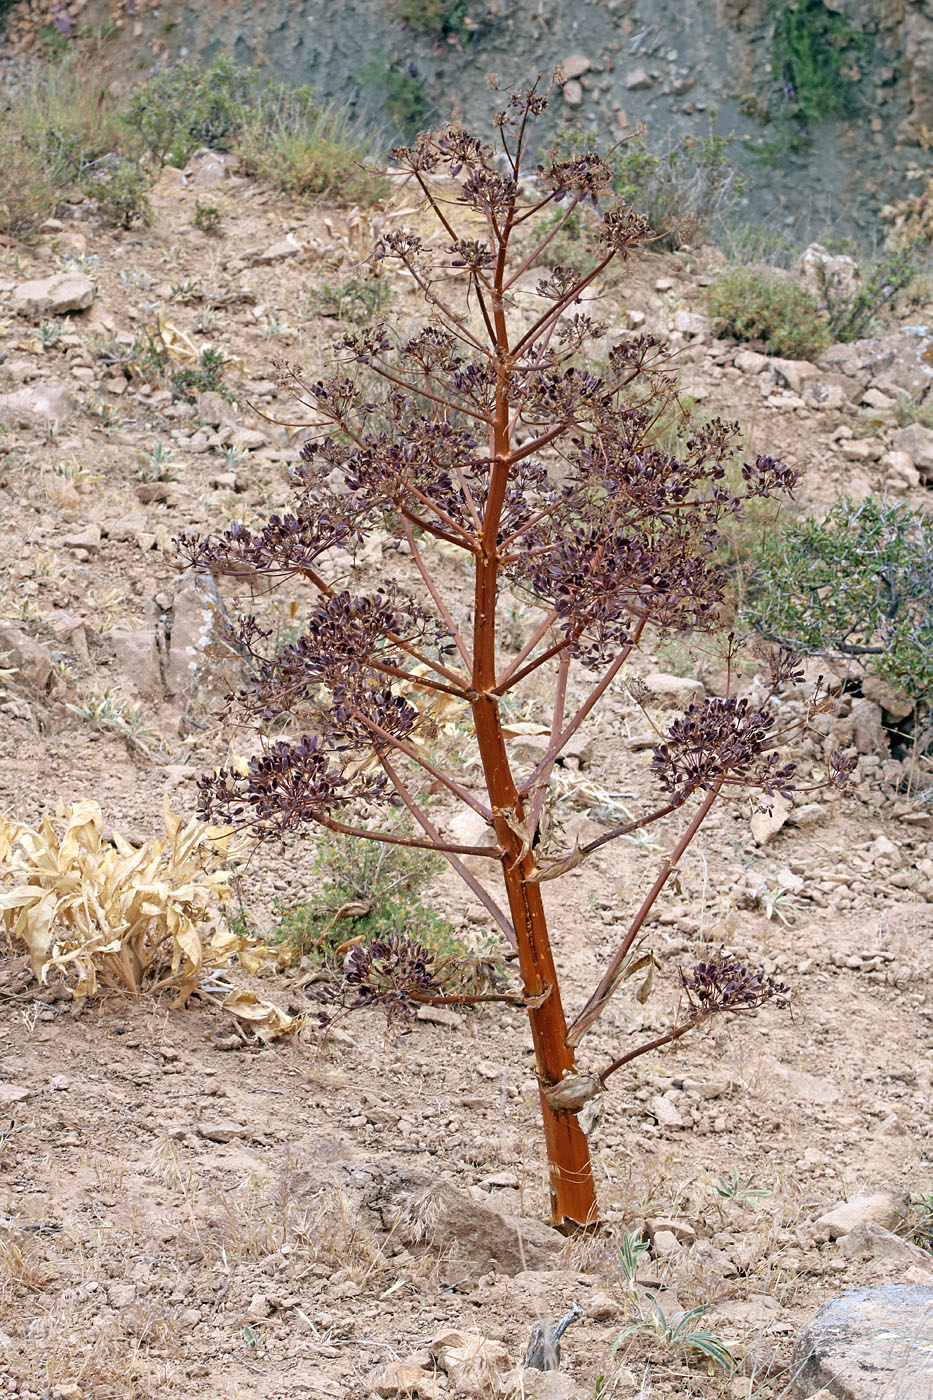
481,432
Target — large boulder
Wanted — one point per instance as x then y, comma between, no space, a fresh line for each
428,1214
202,662
872,1344
917,442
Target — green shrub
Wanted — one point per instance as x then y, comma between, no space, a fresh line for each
207,374
317,153
52,130
29,187
850,314
188,106
120,188
773,311
283,133
437,19
402,95
683,189
857,585
812,59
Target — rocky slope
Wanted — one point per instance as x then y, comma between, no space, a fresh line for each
187,1212
679,68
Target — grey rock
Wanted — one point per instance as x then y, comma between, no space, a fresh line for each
220,1129
572,93
287,247
87,539
873,688
867,727
13,1093
871,1344
48,402
863,360
30,659
901,469
750,362
821,268
427,1213
831,391
665,1112
202,661
575,65
549,1385
917,442
879,1207
136,656
121,1295
794,373
767,822
678,691
215,410
207,168
53,296
868,1241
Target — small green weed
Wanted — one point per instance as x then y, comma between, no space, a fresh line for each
743,1190
50,333
105,709
358,300
678,1333
920,1221
208,218
367,890
908,410
161,464
208,374
770,310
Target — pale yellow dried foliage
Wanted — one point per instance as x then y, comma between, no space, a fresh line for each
110,914
911,219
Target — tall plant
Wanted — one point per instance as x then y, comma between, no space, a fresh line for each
490,439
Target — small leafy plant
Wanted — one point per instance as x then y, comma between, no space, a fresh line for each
679,1333
366,891
437,19
770,310
814,49
208,218
206,375
120,188
490,438
355,299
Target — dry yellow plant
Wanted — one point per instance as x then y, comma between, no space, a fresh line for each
116,915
